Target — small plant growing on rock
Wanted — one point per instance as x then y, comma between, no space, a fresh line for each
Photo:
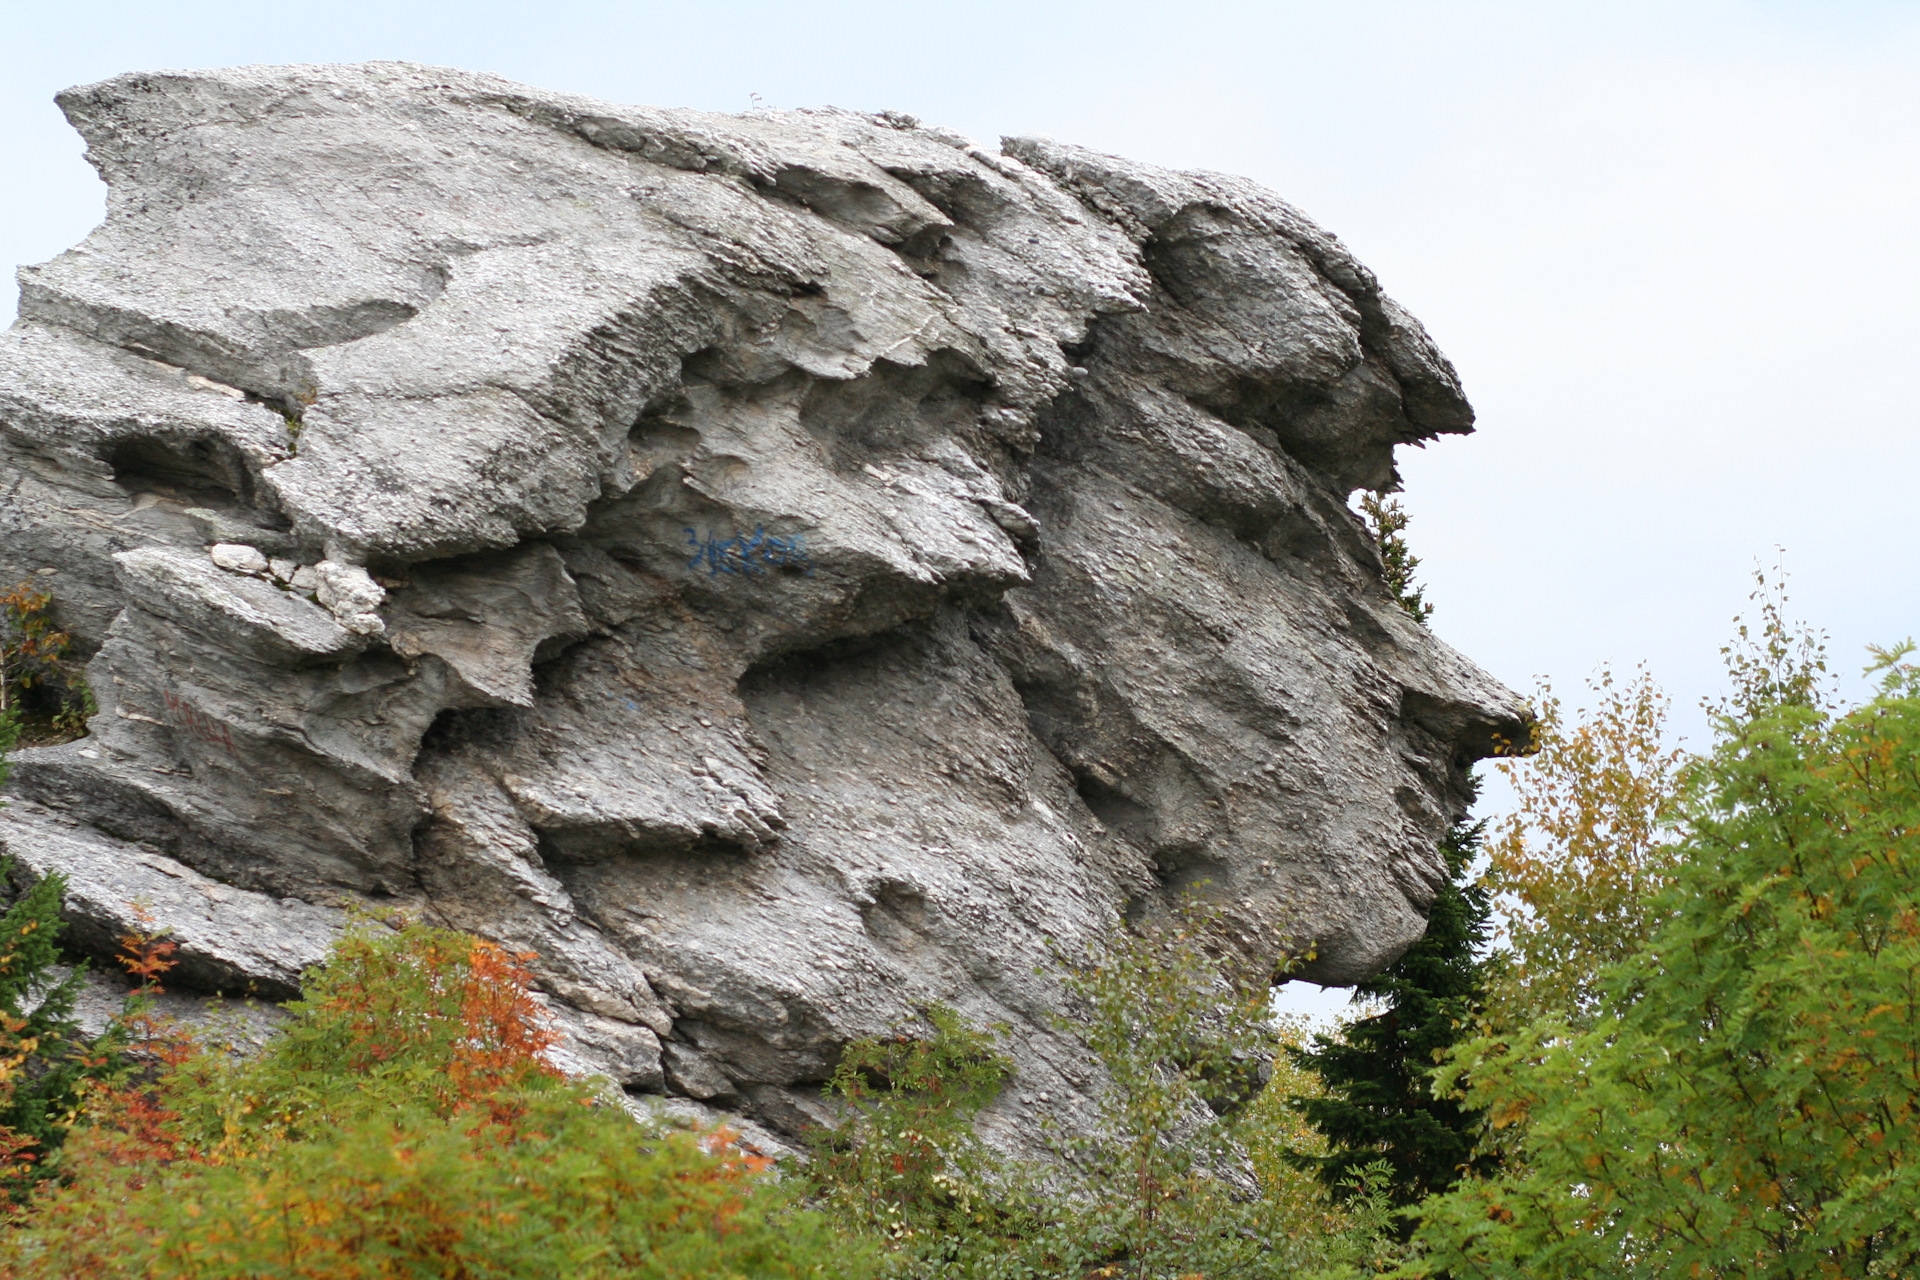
43,696
1387,521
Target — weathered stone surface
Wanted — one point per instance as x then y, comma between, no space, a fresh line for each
228,940
781,569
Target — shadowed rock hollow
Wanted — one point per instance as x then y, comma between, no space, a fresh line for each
780,568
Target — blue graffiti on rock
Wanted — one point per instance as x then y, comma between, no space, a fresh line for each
752,554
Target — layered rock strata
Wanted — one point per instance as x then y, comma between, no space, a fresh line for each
782,569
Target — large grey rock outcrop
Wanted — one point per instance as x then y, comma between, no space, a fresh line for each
781,568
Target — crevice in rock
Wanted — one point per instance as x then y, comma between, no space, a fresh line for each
203,471
1190,872
1125,817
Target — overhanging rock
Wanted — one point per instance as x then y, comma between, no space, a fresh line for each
781,569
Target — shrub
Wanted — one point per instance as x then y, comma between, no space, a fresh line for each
1161,1182
414,1016
573,1190
906,1165
404,1124
41,692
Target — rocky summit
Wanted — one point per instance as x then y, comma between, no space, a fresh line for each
783,569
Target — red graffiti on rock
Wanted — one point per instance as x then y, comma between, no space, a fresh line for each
197,722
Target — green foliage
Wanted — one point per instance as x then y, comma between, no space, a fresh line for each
1579,863
404,1125
1581,858
1773,662
46,1064
1378,1103
40,690
906,1165
413,1016
1185,1046
576,1191
9,736
1745,1103
1155,1184
1278,1134
1387,521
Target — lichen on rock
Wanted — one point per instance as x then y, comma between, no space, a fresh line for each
781,569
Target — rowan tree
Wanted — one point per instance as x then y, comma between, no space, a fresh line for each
1743,1101
405,1122
1577,862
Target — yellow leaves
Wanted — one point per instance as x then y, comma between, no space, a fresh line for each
1507,1111
1583,853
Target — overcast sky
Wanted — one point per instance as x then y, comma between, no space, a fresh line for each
1674,247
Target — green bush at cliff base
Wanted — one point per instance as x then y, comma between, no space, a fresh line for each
1746,1100
573,1191
1174,1174
404,1125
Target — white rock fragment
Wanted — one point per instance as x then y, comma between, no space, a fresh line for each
237,557
351,595
208,384
347,588
304,579
283,569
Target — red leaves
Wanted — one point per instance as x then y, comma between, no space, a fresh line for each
146,957
129,1129
504,1034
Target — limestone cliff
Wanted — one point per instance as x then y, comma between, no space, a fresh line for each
780,568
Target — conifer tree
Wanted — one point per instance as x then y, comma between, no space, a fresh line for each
1378,1072
1386,520
42,1049
44,1057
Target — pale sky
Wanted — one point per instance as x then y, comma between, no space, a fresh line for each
1673,247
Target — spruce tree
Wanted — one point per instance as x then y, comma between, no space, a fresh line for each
48,1054
44,1057
1378,1072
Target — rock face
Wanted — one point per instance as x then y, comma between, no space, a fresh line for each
780,568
